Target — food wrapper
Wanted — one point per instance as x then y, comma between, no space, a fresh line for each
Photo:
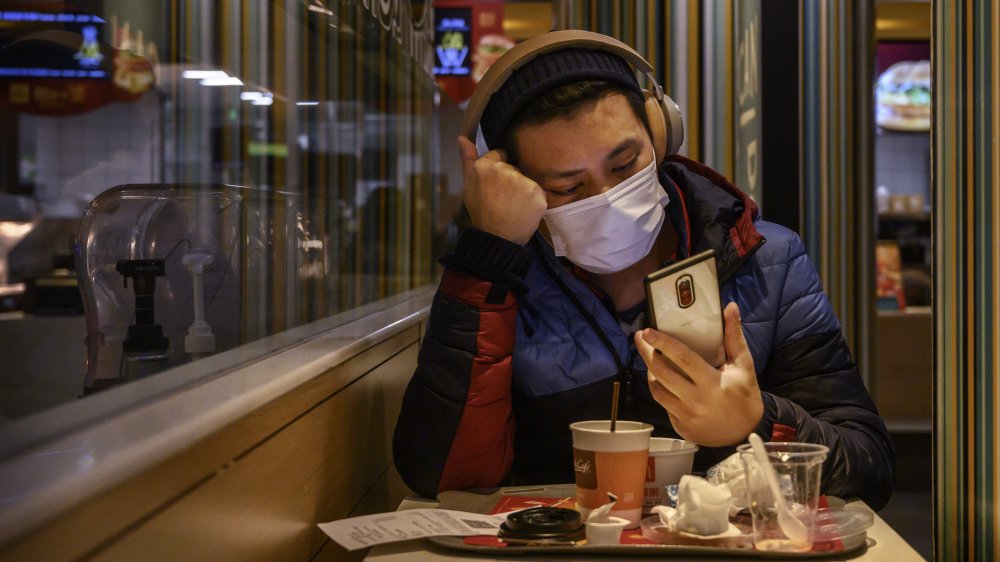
730,473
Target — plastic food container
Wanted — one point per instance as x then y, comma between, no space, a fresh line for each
846,524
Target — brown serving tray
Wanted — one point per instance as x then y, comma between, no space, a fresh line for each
633,543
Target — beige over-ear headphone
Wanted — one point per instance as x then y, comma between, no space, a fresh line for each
664,117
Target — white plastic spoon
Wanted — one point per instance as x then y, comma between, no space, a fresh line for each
793,528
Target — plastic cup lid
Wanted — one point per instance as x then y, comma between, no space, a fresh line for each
840,523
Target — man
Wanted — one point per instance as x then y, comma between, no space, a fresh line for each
542,306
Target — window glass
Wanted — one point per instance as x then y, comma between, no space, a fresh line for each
182,178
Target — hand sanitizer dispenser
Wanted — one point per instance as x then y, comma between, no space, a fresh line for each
159,269
145,345
199,341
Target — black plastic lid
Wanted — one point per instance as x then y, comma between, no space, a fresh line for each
542,523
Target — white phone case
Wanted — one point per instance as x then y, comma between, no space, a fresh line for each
684,302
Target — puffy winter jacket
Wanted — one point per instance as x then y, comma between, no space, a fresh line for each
518,347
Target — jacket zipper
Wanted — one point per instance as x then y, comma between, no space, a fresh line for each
624,371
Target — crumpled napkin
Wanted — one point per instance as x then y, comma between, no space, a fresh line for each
730,473
702,509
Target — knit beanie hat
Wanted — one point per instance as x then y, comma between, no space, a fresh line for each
546,72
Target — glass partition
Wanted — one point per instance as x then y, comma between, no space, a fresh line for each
277,159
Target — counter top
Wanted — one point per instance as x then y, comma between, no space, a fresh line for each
59,458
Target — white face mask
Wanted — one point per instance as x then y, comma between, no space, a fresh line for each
608,232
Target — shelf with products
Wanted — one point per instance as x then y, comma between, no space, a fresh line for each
902,174
909,311
905,217
911,232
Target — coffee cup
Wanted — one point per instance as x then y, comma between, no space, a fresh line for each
611,462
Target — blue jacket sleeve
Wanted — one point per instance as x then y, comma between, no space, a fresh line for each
811,384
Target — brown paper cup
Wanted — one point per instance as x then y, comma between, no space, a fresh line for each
611,462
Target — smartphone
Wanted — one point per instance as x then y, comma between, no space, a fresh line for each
683,301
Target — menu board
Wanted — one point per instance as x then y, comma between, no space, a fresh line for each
452,37
64,45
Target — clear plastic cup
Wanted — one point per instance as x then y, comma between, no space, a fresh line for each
798,467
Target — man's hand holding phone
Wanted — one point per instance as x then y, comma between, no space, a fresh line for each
709,406
500,199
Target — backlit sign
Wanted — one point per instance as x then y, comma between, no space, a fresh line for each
452,35
74,51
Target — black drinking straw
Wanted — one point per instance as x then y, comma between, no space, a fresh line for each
614,406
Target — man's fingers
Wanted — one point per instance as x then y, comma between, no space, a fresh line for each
646,350
737,350
686,360
470,155
495,155
667,399
664,371
467,150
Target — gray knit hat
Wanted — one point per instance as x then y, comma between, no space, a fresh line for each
546,72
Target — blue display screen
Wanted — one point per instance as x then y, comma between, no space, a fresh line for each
27,52
452,35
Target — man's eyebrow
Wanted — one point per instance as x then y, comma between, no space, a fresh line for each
622,147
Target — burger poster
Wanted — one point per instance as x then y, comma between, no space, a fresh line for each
903,89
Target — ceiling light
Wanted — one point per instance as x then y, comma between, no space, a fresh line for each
321,10
227,81
202,74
